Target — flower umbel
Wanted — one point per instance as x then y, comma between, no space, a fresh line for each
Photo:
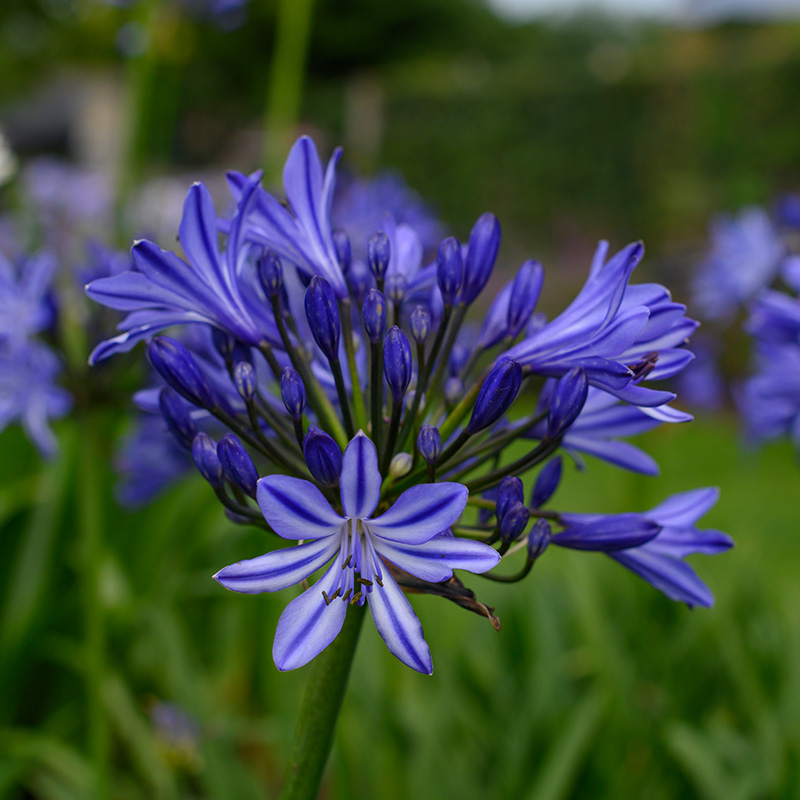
361,547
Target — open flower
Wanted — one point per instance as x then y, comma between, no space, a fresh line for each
407,535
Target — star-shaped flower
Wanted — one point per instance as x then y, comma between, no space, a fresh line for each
359,545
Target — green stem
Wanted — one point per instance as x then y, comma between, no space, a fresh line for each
376,392
359,407
320,710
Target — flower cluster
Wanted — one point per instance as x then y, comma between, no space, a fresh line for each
335,397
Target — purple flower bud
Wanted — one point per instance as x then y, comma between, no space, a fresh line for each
178,367
223,343
323,456
396,287
379,253
241,352
538,539
524,296
323,316
341,243
429,443
449,269
397,362
360,280
374,314
420,324
244,377
484,242
293,392
510,492
546,482
270,273
176,414
514,522
204,453
237,464
568,398
496,395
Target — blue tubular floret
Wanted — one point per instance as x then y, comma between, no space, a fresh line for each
270,273
569,397
449,269
497,393
176,415
484,242
293,393
323,457
323,317
546,482
204,454
237,464
374,315
178,367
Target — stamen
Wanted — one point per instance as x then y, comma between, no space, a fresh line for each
379,581
364,581
327,599
336,594
346,595
347,561
356,597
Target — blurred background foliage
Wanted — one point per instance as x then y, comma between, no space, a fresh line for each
597,686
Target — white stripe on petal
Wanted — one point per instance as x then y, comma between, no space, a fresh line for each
421,512
361,478
296,509
278,569
398,625
309,624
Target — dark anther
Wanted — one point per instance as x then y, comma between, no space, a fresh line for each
346,595
644,367
326,598
347,562
356,598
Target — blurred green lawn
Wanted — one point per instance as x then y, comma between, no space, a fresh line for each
596,687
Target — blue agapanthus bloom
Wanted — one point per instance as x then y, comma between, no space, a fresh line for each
359,544
746,254
338,394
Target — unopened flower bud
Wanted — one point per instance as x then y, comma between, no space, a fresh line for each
177,416
546,482
270,273
449,269
341,243
204,454
496,395
360,280
244,377
484,242
420,324
429,443
510,492
178,367
538,539
293,392
323,316
374,315
515,520
524,295
323,456
396,287
401,465
379,253
566,402
397,362
237,464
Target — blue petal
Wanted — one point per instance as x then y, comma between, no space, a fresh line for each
675,578
684,509
360,480
621,454
309,624
617,532
198,233
278,569
436,559
421,512
296,509
398,625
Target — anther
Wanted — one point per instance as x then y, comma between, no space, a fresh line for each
356,597
364,581
379,581
326,598
336,594
347,562
346,595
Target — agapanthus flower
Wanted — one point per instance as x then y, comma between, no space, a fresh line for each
359,546
26,306
654,543
29,393
746,254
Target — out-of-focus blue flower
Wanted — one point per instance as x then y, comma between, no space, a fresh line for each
654,543
746,254
359,545
26,306
29,393
701,385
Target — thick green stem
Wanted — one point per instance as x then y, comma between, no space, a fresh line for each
359,406
320,710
